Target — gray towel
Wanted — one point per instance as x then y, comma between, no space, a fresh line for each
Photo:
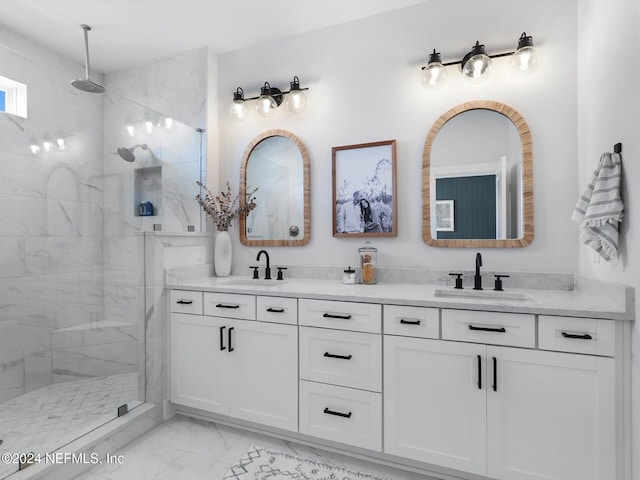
600,209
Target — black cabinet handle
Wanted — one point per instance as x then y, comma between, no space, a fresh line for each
229,337
342,317
223,305
337,414
585,336
479,372
275,310
184,302
222,347
495,374
409,322
342,357
488,329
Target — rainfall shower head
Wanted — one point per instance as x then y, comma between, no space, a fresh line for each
127,153
86,84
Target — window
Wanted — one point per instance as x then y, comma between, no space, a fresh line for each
13,97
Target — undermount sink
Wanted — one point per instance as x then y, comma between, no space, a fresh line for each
483,294
255,282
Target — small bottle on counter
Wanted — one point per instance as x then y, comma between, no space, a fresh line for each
368,261
349,276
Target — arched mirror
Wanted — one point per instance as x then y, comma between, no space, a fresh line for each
276,162
477,178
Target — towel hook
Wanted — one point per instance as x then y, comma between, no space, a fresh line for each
617,148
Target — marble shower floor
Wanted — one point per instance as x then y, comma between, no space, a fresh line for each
52,416
189,449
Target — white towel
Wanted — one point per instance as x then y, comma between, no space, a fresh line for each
600,209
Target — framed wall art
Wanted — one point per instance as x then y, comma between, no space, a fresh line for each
364,190
444,216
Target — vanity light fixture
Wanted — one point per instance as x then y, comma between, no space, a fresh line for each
269,100
476,64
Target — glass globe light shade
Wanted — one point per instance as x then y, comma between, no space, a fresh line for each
477,68
296,101
524,61
434,74
266,105
239,111
476,64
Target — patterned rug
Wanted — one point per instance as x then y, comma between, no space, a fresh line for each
263,464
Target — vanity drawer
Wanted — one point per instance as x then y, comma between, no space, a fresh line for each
577,335
230,305
411,321
361,317
511,329
341,414
349,359
277,310
184,301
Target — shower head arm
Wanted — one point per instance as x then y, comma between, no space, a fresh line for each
87,68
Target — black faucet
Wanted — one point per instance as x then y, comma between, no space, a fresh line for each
267,270
477,279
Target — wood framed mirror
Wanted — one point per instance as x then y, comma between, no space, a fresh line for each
276,162
477,178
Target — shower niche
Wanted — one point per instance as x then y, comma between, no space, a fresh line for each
147,191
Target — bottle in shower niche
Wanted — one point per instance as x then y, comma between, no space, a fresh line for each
368,263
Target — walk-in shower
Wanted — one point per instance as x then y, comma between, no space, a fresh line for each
72,292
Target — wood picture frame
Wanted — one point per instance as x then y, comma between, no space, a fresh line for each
364,190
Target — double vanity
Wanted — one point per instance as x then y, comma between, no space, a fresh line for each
456,383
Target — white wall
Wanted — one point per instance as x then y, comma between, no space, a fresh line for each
608,106
364,80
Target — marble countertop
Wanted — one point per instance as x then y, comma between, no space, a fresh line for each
586,300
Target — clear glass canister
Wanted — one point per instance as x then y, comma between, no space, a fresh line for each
349,276
368,263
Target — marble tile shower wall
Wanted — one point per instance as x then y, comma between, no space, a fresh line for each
70,274
51,217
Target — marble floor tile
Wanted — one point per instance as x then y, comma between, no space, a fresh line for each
49,417
189,449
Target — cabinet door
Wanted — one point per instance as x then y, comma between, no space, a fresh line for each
199,367
265,379
435,401
551,416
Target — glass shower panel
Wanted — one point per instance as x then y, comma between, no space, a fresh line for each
72,329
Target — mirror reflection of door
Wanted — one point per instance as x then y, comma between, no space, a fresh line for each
476,160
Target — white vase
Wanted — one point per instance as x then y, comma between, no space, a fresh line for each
222,254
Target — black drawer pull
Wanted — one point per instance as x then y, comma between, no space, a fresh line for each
342,317
342,357
184,302
495,374
488,329
222,347
479,372
585,336
337,414
230,347
223,305
275,310
410,322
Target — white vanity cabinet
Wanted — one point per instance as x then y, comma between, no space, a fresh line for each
499,411
457,391
240,367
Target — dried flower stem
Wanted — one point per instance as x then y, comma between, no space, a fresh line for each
223,208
